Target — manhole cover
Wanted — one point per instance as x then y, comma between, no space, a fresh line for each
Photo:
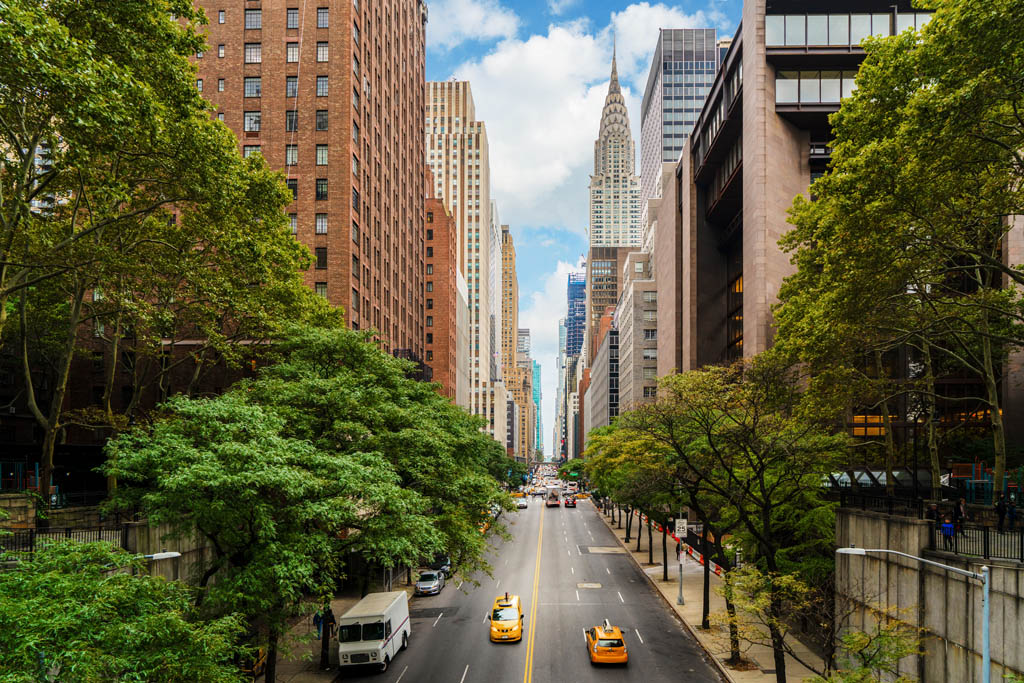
588,585
605,549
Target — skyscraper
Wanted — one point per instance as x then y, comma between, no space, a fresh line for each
576,315
614,185
516,380
457,153
312,91
539,445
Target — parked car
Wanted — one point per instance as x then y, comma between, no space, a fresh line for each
442,564
430,583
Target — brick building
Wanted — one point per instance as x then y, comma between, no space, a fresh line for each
442,293
333,95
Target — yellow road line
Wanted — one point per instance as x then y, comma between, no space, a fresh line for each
528,674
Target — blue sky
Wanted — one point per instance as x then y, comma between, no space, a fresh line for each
539,74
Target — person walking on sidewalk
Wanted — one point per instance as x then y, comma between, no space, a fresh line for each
1000,511
960,515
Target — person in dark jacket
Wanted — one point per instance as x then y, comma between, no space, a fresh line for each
932,514
1000,507
1011,513
960,515
948,531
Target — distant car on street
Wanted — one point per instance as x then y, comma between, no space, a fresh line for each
430,583
570,502
522,504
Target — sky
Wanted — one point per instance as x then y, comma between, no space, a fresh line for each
539,72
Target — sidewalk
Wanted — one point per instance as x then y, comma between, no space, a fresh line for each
762,658
303,663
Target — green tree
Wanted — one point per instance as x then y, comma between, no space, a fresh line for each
872,656
89,612
107,136
572,469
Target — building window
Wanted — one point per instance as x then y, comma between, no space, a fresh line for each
430,304
321,51
430,252
291,121
253,53
355,132
321,86
650,297
430,321
321,258
355,267
253,19
650,354
321,155
220,116
321,289
291,155
253,86
321,188
430,233
252,121
220,51
430,355
650,392
199,84
355,99
321,224
292,17
430,286
355,167
293,222
220,85
430,269
355,35
355,300
355,200
650,335
430,217
291,53
430,337
220,16
321,119
650,316
249,150
355,69
291,86
322,17
650,373
293,185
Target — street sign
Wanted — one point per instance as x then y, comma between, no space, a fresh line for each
681,528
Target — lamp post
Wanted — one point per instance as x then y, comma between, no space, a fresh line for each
984,577
165,555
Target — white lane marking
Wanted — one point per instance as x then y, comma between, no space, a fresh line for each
577,595
620,597
464,674
608,570
497,584
572,570
457,586
569,553
506,563
438,619
585,641
485,618
401,674
637,635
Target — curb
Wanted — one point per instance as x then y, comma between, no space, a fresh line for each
722,669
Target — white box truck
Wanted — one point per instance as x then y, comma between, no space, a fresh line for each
374,630
551,495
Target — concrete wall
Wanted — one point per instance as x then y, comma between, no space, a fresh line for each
18,511
146,540
947,606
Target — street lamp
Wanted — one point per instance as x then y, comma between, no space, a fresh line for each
986,655
165,555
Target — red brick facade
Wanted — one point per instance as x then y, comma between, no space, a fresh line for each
353,73
441,290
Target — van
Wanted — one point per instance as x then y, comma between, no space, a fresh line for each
374,630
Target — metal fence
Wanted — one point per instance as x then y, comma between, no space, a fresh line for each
27,540
980,541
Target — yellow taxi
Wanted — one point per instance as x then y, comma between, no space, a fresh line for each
605,645
506,619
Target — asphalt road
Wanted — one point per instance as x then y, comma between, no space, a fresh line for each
571,585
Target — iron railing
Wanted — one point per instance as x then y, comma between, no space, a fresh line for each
979,541
27,540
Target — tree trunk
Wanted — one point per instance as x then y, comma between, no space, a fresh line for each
664,552
619,516
890,446
995,405
650,542
778,644
734,633
629,522
639,531
933,446
270,675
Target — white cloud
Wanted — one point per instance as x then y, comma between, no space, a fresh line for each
452,22
557,7
540,312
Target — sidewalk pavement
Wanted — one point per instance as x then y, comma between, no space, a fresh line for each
302,665
714,641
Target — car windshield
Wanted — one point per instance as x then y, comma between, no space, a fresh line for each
374,631
349,633
609,642
428,576
504,614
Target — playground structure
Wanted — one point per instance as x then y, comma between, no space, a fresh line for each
975,480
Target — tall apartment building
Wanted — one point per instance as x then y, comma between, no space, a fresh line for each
614,185
602,398
636,318
334,97
537,395
604,285
517,382
457,154
442,293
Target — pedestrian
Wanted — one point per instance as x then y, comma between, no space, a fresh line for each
948,530
960,515
1001,511
933,514
1011,513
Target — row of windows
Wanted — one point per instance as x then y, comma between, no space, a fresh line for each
813,87
254,18
836,29
253,86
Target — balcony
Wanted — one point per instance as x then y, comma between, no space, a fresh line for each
789,38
